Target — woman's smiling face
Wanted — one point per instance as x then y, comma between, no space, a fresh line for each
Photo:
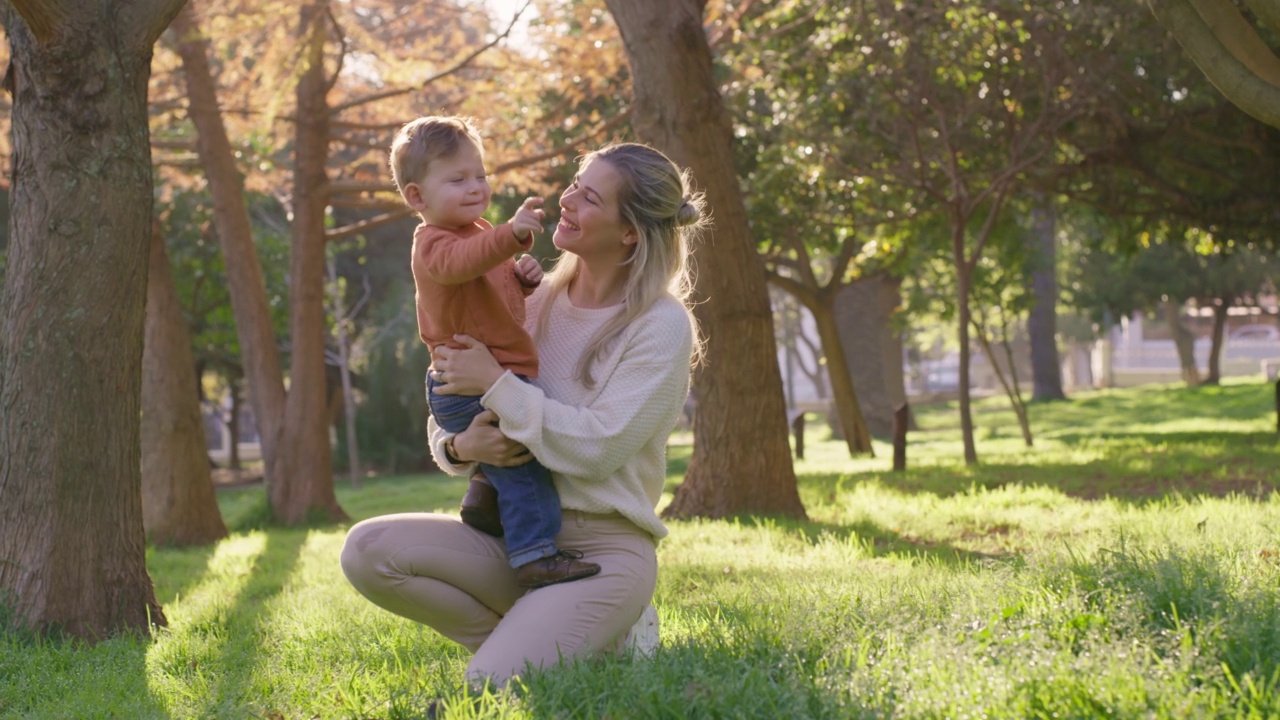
591,222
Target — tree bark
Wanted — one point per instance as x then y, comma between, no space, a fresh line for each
1042,324
72,548
1183,340
303,485
741,459
178,502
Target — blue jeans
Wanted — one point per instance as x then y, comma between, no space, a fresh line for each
527,500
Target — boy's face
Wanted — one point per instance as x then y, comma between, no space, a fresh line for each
455,191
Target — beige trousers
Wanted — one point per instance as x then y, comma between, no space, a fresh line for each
435,570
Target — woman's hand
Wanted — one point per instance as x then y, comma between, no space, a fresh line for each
464,371
482,441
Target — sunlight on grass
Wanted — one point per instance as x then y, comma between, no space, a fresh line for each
1128,565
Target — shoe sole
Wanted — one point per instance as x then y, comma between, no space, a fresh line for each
557,581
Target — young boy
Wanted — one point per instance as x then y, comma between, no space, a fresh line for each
467,283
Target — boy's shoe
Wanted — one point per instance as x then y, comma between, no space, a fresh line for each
642,638
480,508
564,566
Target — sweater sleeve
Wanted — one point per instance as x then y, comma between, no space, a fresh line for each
451,259
637,400
436,437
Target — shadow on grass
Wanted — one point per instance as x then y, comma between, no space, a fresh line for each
1140,469
875,539
240,628
733,676
42,677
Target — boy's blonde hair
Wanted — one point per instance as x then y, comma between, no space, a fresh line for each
658,200
426,139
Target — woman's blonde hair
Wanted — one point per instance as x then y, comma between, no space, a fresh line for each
657,199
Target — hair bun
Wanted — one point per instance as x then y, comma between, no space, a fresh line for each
688,214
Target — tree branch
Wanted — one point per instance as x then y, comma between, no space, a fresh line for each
567,146
145,21
997,204
442,74
42,17
1239,38
366,225
796,289
1233,78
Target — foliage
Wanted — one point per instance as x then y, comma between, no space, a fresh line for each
1162,145
392,424
200,276
1127,566
1170,267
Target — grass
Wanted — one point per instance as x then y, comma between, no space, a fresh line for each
1127,566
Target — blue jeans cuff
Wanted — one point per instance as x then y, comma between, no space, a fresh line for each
524,556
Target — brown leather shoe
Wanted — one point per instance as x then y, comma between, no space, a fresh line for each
564,566
480,508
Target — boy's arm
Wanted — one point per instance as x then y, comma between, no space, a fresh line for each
528,219
529,273
446,258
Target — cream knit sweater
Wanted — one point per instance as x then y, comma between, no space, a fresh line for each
606,446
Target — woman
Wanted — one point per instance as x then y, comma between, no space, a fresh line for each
615,342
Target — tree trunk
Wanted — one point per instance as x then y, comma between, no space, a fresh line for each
1042,324
178,502
891,350
1183,340
1009,384
963,279
293,432
863,311
233,424
348,399
741,459
1215,349
857,437
304,484
72,549
245,283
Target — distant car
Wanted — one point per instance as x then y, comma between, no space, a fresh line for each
1255,333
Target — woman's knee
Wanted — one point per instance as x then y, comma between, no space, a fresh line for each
359,556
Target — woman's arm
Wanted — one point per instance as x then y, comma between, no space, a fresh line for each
482,441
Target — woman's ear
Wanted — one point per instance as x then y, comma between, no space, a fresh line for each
630,236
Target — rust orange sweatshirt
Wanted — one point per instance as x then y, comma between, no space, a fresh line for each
466,284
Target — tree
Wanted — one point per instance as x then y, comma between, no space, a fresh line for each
260,356
1042,320
1229,50
741,461
72,551
178,502
820,239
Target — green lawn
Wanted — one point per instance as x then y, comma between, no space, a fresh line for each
1127,566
